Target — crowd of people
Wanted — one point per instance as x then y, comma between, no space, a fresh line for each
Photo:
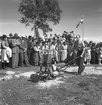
17,51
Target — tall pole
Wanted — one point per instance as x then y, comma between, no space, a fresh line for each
83,29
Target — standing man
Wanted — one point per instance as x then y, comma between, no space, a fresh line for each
80,49
15,51
23,53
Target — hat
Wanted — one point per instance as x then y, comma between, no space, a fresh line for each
4,36
16,36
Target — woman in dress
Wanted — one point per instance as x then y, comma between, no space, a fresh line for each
88,54
64,52
5,52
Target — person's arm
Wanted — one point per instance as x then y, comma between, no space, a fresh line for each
83,50
25,49
21,47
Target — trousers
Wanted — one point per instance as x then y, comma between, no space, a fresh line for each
80,62
23,59
15,60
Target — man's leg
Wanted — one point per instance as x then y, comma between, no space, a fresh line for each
81,66
21,59
26,59
3,65
41,67
17,59
29,54
13,60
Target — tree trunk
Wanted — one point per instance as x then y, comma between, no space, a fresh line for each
36,32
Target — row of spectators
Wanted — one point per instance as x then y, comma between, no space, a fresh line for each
16,51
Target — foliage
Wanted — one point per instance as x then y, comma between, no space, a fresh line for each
38,13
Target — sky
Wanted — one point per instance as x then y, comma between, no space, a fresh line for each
71,15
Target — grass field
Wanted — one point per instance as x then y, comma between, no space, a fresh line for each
71,90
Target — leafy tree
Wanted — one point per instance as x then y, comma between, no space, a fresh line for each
38,14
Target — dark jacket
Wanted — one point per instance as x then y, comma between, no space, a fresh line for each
14,45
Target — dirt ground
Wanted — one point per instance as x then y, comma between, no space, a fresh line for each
71,90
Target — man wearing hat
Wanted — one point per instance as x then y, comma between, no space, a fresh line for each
15,50
23,53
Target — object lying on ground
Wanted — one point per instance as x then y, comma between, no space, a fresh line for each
44,75
35,77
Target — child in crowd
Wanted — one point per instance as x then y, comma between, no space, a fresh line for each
88,55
